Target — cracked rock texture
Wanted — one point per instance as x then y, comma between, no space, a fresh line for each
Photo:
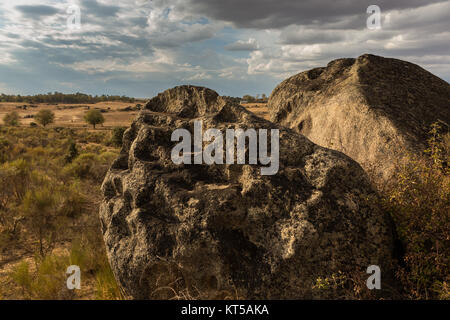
371,108
227,228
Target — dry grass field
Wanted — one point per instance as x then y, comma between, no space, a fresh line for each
49,198
71,115
260,109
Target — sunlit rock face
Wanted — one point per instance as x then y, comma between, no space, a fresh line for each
373,109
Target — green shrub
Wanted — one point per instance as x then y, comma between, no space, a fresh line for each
107,157
41,210
90,166
82,166
11,119
73,202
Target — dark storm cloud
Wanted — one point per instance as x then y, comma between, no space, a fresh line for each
265,14
179,37
65,51
36,11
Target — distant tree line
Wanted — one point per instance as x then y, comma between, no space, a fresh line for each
58,97
249,98
255,99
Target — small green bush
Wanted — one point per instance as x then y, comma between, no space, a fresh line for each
90,166
12,119
41,210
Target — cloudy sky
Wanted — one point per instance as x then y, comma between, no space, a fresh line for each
141,47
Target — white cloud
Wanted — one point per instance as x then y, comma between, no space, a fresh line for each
241,45
199,76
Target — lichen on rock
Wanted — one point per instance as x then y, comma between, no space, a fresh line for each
227,228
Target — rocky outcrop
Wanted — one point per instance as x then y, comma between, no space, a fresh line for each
227,228
370,108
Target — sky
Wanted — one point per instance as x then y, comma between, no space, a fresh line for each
141,47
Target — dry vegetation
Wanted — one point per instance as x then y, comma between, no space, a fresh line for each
260,109
72,115
418,199
49,197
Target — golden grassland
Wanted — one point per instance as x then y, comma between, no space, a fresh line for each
72,115
49,196
260,109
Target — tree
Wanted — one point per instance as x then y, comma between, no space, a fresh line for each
45,117
248,98
11,119
94,117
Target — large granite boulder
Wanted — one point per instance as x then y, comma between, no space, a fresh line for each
373,109
226,228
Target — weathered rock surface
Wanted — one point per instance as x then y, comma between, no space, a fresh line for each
227,227
370,108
